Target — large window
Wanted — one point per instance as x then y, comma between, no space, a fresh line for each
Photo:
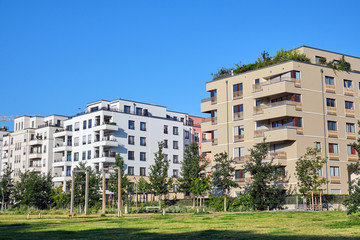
89,154
175,173
142,171
142,156
330,102
347,83
142,141
349,105
329,80
318,146
175,159
131,171
76,156
131,124
175,145
350,127
187,134
238,108
131,140
131,155
238,87
165,143
333,148
84,124
90,123
334,172
350,150
138,111
332,126
239,174
175,130
127,109
166,129
143,126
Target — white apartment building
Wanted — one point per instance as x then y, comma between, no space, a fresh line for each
130,128
3,131
30,145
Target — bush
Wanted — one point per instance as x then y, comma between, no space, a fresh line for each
176,209
242,203
217,203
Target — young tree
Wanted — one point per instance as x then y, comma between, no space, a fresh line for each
160,183
113,181
199,186
307,168
6,185
191,167
59,198
94,186
262,190
33,190
143,187
223,174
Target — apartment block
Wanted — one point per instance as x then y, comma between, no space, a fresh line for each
130,128
3,131
293,105
29,146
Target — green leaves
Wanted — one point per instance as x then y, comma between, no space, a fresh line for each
223,173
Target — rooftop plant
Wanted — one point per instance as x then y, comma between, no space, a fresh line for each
263,60
340,64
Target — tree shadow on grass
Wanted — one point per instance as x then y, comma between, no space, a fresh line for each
142,233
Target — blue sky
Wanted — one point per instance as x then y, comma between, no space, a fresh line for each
56,56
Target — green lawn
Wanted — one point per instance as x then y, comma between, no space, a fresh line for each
267,225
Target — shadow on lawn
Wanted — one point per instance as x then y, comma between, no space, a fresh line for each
129,233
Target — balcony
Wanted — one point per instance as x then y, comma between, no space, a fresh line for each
352,157
238,116
279,133
62,177
334,156
243,181
351,135
62,147
36,142
106,142
213,100
277,155
349,113
332,134
239,159
61,162
239,138
330,88
348,91
212,119
258,110
335,179
331,110
62,133
214,141
106,158
35,155
257,87
277,110
237,95
107,127
36,168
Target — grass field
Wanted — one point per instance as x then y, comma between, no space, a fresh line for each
267,225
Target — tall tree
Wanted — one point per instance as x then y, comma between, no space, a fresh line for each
34,190
113,181
199,186
160,183
6,185
143,186
191,167
307,168
223,174
262,190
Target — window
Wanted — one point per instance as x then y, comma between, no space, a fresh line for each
257,81
237,87
334,171
84,124
127,110
187,135
349,105
44,148
175,173
175,159
89,154
131,124
165,143
332,126
318,146
330,102
175,188
350,127
319,172
197,137
131,155
335,191
68,157
76,141
131,171
90,123
329,80
175,145
76,156
138,111
69,128
239,174
347,83
68,171
238,130
131,140
239,152
166,129
83,155
89,138
143,126
142,141
238,108
142,171
350,150
333,148
84,140
175,130
77,126
142,156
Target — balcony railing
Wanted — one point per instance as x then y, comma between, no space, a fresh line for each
333,134
352,157
238,116
351,135
257,87
239,138
297,82
349,112
284,102
212,99
212,119
260,132
277,155
331,110
258,110
214,141
237,94
335,179
334,156
348,91
330,88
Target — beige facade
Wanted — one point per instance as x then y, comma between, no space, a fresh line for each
294,105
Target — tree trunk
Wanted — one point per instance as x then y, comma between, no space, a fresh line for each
193,197
160,201
225,203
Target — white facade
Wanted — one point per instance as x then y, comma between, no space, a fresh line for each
2,133
30,146
130,128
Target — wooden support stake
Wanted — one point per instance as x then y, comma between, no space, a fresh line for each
72,194
87,193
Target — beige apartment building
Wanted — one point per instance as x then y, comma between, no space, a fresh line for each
294,105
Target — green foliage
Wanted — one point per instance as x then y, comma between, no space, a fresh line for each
191,167
222,73
307,171
340,64
33,190
243,203
113,181
59,198
223,173
217,203
159,183
262,190
94,186
177,209
6,186
322,61
200,185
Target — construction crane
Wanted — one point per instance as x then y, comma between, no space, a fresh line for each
5,118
